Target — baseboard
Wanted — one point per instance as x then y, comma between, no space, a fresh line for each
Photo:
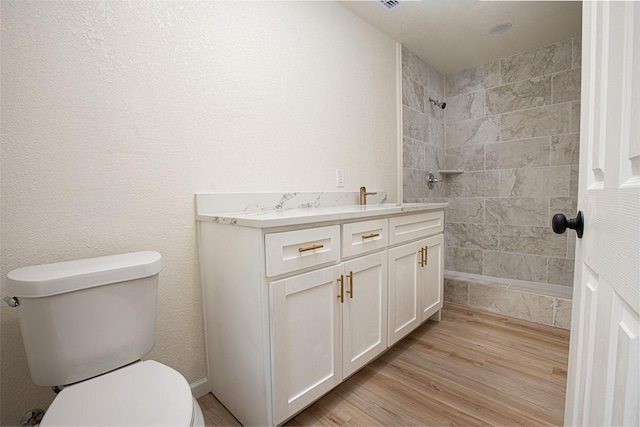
200,388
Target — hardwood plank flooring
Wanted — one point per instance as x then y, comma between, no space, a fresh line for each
472,368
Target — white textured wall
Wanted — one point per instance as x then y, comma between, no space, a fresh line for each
115,113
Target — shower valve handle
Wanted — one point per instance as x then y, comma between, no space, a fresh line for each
560,223
431,180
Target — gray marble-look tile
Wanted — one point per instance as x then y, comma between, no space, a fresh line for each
547,289
465,107
531,93
577,52
575,116
538,62
436,132
531,268
522,305
564,205
571,245
434,159
565,149
573,181
517,211
560,271
535,182
436,81
412,93
472,236
414,67
566,86
468,158
414,184
464,260
562,317
473,184
473,79
518,154
532,240
415,125
439,191
543,121
465,209
413,152
430,108
415,189
456,291
473,132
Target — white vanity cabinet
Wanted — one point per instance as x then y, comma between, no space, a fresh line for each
416,274
326,324
291,311
306,339
364,311
416,271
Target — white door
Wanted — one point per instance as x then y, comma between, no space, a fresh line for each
432,277
404,289
604,354
364,314
306,339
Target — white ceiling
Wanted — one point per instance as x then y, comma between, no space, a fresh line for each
453,35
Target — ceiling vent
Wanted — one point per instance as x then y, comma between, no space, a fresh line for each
389,4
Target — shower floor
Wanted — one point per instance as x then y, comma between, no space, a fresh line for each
538,302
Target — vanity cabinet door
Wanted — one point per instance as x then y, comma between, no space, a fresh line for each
306,339
432,278
364,315
405,275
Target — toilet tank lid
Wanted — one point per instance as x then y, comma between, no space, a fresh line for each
52,279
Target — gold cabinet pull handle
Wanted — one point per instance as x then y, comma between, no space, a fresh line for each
341,294
421,262
426,255
350,291
368,236
310,248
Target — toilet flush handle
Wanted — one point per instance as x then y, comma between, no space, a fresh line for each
11,301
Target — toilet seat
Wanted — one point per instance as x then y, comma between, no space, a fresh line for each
145,393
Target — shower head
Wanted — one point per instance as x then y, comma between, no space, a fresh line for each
437,103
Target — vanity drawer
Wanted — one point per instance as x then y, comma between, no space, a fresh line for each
366,236
410,227
294,250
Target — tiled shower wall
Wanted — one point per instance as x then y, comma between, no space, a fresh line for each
423,128
512,126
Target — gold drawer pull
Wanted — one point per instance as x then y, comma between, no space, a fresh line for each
310,248
422,261
350,291
341,294
368,236
426,254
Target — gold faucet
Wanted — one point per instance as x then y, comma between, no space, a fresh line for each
363,195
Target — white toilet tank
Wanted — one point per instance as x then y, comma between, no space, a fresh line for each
86,317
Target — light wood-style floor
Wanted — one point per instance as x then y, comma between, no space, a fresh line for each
472,368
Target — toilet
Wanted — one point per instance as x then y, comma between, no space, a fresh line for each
85,325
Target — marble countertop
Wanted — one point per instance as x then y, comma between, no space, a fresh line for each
309,215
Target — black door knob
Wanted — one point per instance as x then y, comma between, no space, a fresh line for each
560,223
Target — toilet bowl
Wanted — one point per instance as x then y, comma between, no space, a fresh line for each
85,325
145,393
